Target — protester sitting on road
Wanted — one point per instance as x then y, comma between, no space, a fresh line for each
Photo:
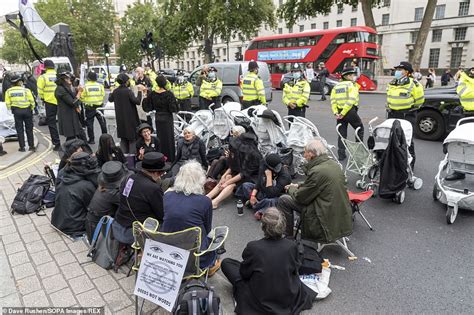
272,179
108,151
244,161
146,142
106,198
69,148
74,193
321,199
164,104
267,280
186,206
126,112
141,196
190,147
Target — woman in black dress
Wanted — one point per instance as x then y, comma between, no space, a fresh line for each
108,151
164,103
146,142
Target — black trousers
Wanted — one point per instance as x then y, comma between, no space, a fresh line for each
299,112
247,104
409,115
24,122
185,105
321,89
353,119
204,103
51,117
231,270
92,113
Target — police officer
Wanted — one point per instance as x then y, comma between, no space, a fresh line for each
404,96
296,92
21,102
183,91
46,88
123,69
253,90
150,73
344,103
93,97
211,89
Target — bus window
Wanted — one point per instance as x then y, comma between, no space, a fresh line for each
340,39
352,37
367,37
279,43
303,41
313,40
367,67
253,45
291,42
265,44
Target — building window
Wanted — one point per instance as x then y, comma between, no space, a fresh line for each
338,23
439,13
301,28
280,30
463,8
340,8
456,56
419,14
413,37
313,26
460,33
434,58
380,39
386,3
353,21
290,29
354,8
385,19
436,35
325,25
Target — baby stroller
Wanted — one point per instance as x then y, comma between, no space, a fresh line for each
301,131
360,158
268,127
202,122
459,146
223,120
391,172
7,123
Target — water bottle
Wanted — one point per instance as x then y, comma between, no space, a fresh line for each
240,207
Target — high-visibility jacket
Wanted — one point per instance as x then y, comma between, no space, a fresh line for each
93,94
131,82
18,96
210,89
465,91
154,85
344,96
297,93
183,91
151,75
253,88
404,94
46,84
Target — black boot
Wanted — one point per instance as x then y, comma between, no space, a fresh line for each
455,176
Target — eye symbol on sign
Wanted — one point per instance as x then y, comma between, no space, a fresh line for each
176,256
156,249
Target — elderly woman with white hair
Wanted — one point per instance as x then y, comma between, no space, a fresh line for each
190,147
185,206
321,200
267,280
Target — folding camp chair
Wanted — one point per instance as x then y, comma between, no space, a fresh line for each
188,239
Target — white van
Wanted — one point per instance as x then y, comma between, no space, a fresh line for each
101,71
61,64
231,73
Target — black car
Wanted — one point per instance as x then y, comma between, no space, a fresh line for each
439,113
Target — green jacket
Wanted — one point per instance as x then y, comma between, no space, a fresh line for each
326,215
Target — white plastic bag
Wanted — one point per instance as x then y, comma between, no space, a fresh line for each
318,282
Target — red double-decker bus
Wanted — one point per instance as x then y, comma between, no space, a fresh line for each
335,47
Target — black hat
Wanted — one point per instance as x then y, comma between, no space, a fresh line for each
83,160
253,65
347,71
273,162
92,76
112,174
48,64
269,114
154,162
64,75
143,126
122,78
15,78
212,69
405,65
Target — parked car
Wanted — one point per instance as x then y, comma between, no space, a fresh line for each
331,81
101,71
439,113
231,74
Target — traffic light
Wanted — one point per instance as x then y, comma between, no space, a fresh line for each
149,40
106,50
143,44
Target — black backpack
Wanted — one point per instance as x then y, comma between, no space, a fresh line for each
29,198
197,298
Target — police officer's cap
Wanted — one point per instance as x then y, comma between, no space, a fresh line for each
404,65
92,76
64,75
15,78
347,71
48,64
253,65
212,69
295,67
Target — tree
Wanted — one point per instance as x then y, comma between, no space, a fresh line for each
16,50
423,33
206,20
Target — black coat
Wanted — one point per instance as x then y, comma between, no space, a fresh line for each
68,119
74,192
192,150
126,113
270,283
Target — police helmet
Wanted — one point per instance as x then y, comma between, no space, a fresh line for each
470,72
295,67
405,65
123,68
92,76
15,78
252,65
212,69
347,71
48,64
